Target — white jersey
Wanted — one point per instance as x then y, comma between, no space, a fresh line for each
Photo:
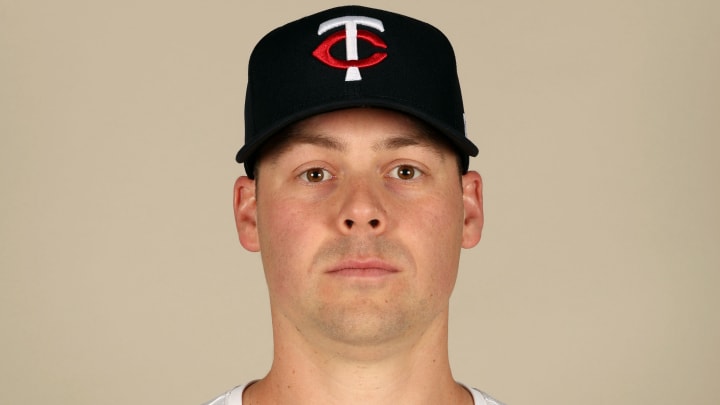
234,397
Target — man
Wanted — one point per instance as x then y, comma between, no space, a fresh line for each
359,199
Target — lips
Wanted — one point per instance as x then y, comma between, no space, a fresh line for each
363,268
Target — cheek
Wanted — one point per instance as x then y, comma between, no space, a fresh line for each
285,238
438,235
441,220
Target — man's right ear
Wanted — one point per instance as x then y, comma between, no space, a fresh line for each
245,206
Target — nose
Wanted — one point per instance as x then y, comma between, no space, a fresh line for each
362,209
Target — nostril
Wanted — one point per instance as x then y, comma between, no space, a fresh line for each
374,223
349,223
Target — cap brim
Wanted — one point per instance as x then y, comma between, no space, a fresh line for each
459,140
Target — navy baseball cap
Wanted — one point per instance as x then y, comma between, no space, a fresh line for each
352,56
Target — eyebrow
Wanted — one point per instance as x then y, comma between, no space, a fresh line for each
390,143
294,137
393,142
317,139
401,141
419,139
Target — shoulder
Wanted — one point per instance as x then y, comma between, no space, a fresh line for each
482,398
232,397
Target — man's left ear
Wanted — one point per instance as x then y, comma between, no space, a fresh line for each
473,203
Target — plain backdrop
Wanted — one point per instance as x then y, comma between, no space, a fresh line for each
597,280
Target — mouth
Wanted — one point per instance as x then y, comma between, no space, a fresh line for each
369,268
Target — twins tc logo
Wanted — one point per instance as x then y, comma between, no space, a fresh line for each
350,35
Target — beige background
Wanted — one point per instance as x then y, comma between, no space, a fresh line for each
598,278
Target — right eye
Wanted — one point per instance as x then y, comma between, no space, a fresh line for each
315,175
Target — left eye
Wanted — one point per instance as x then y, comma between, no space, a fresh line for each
405,172
315,175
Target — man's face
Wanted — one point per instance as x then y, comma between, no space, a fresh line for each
359,220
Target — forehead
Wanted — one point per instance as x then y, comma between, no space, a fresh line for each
399,130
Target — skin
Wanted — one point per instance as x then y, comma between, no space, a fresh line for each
360,220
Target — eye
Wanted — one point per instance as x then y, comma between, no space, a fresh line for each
315,175
405,172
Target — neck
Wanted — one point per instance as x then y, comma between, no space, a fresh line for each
411,370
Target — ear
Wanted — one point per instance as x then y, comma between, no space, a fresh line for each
245,207
473,203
